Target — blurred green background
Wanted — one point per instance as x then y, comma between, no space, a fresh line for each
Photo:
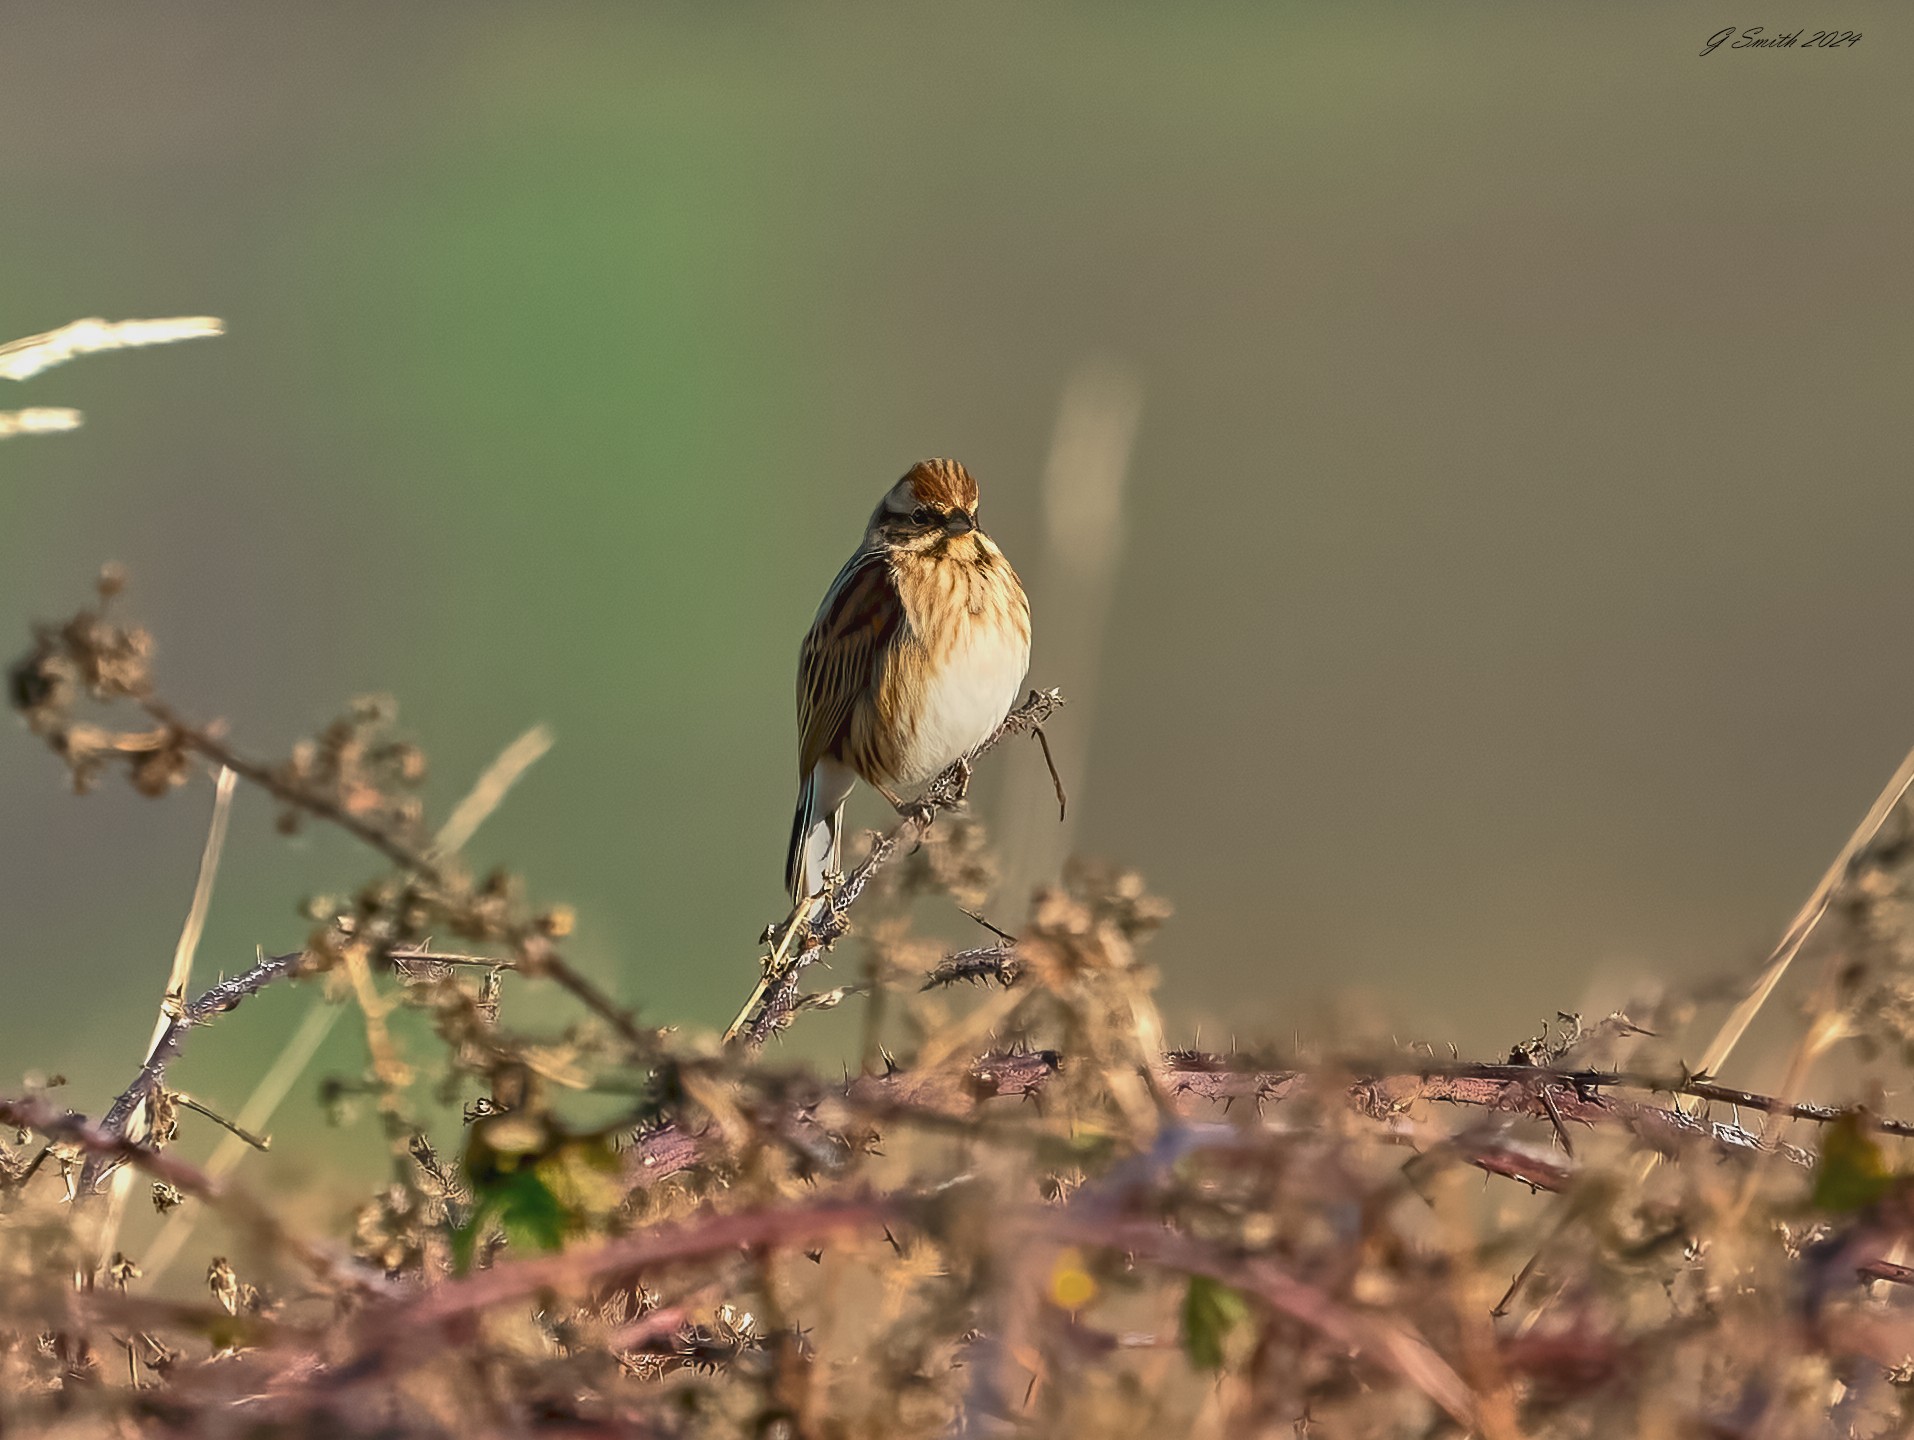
1515,601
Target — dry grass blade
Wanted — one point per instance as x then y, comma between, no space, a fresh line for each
173,1000
25,358
1805,920
189,935
38,420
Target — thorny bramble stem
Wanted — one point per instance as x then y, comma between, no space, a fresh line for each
776,997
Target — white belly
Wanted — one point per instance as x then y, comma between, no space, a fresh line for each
965,699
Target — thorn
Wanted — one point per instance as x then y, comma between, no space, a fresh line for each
1063,801
1000,934
1555,1119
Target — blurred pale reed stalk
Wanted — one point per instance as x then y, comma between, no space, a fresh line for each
1082,497
25,358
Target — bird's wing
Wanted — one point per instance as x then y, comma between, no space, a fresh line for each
839,663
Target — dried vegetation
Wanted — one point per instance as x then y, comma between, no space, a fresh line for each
1020,1212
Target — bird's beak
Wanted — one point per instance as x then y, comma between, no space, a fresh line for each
959,524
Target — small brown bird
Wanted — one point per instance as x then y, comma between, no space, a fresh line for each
915,656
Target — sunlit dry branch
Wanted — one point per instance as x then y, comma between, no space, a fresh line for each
225,996
352,775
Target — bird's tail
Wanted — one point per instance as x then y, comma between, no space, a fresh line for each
815,827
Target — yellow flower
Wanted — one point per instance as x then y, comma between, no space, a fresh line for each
1071,1286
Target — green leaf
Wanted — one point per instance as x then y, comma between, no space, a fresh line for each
1210,1312
524,1207
465,1242
531,1215
1852,1173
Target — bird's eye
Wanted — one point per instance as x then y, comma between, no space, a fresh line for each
923,515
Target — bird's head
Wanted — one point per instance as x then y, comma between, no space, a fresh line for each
930,510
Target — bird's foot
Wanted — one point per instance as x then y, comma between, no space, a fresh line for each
923,809
781,933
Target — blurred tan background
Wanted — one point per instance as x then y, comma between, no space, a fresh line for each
1514,598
